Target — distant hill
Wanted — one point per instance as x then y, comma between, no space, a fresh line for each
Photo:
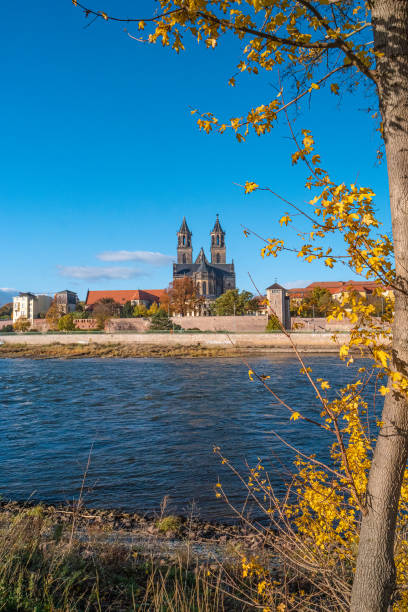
6,296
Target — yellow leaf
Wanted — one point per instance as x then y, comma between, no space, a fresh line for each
334,88
250,187
314,86
384,390
104,15
382,357
294,416
344,350
251,374
74,2
231,82
325,385
285,220
141,25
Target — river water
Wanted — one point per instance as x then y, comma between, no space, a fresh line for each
152,425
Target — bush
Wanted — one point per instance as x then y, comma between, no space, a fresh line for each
22,325
66,323
273,323
161,321
7,328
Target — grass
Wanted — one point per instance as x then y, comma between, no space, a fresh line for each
42,570
168,524
109,350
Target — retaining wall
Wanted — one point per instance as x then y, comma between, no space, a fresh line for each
304,341
227,323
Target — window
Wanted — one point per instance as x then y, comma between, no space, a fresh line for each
204,288
184,259
218,240
184,240
218,258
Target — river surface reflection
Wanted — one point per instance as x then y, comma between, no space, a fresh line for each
153,424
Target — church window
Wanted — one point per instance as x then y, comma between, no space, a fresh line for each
218,240
204,288
218,258
184,259
184,240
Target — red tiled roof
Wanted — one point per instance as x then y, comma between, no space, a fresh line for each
121,296
335,287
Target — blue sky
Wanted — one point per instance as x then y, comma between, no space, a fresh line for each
100,154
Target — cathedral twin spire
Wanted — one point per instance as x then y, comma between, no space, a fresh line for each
185,249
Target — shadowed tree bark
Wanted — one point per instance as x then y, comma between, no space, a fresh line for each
374,579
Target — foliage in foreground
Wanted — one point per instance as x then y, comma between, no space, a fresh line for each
44,568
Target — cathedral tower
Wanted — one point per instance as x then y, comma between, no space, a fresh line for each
184,247
218,250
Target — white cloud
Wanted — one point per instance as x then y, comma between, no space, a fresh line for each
8,289
297,284
96,273
148,257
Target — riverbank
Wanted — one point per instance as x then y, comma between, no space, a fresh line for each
75,558
109,351
71,345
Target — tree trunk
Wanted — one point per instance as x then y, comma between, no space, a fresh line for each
374,580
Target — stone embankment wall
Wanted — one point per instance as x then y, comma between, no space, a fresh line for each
311,342
227,323
137,325
255,324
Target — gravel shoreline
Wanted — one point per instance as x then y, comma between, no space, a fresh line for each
206,540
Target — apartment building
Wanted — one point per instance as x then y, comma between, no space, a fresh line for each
30,306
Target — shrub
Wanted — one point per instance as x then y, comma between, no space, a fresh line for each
161,321
66,323
22,325
7,328
273,323
168,523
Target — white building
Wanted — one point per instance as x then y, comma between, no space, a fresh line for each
29,306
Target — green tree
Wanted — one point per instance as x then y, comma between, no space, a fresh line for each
127,310
318,304
140,311
232,302
6,311
313,43
66,322
161,321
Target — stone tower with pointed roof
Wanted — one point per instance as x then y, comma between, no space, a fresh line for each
184,247
212,278
218,250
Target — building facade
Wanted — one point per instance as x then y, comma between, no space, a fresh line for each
66,301
278,304
212,278
30,306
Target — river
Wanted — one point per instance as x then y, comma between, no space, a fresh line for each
151,425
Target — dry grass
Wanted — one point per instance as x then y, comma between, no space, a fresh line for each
77,351
42,569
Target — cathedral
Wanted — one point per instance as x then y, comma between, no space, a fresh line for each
212,278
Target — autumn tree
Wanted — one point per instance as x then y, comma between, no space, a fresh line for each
104,310
308,44
22,325
53,315
183,296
